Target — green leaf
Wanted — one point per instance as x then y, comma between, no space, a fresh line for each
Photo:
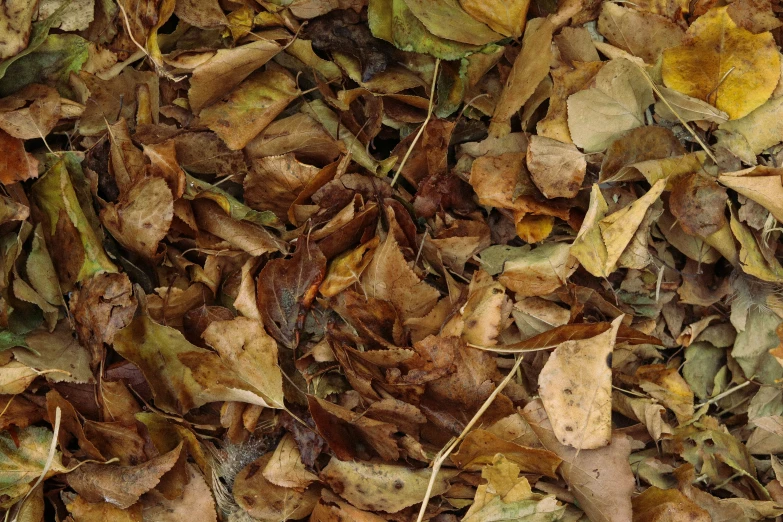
38,34
56,198
393,21
195,188
51,63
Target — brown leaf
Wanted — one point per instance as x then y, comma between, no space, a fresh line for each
699,204
659,505
575,386
341,428
101,307
264,500
390,277
556,168
480,447
121,485
251,106
274,183
16,164
600,479
142,216
225,70
32,121
286,288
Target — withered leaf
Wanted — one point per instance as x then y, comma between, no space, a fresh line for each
121,485
287,287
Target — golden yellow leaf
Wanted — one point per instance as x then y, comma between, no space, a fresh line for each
504,16
533,229
723,64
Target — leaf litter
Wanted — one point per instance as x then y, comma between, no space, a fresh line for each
391,260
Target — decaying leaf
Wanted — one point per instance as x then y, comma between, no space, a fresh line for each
326,260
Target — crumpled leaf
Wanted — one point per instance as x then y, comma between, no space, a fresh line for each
286,288
245,347
182,376
263,500
142,216
723,64
556,168
390,277
506,496
121,485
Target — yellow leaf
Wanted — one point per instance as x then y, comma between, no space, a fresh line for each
588,246
618,229
725,65
668,386
761,184
533,229
504,16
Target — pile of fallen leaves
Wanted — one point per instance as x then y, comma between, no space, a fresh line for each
396,260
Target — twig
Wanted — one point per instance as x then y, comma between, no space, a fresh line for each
423,125
684,123
446,451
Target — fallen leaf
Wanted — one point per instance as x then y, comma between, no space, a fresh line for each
251,106
226,69
244,345
723,64
667,504
381,487
389,277
643,34
142,216
599,115
17,164
580,409
286,287
479,448
263,500
668,386
556,168
540,271
600,479
530,67
23,459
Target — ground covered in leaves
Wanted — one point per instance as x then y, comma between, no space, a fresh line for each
395,260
